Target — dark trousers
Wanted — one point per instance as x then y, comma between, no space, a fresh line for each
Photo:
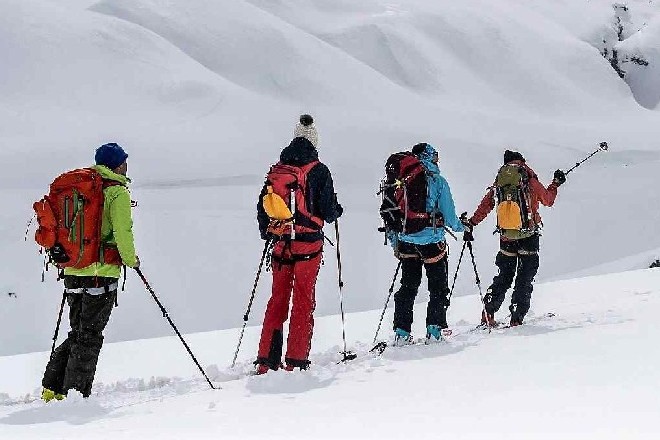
73,364
519,259
433,258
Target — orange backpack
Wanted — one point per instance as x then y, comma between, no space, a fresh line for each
69,220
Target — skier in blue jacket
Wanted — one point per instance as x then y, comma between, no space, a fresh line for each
426,248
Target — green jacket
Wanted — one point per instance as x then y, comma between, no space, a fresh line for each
116,227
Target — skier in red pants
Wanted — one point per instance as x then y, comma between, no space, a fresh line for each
304,190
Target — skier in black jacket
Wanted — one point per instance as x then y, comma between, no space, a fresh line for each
296,260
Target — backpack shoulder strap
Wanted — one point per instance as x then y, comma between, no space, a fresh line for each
107,183
308,167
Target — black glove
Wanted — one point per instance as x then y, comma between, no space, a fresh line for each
469,227
559,178
339,210
466,222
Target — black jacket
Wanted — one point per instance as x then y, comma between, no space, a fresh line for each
321,198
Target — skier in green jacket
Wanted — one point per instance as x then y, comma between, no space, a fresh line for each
91,291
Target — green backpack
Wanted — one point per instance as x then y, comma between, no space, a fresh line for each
513,198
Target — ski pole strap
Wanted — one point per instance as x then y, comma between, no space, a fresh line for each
450,233
330,242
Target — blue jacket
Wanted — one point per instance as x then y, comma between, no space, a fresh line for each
439,200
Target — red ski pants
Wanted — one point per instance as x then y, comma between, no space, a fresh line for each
298,278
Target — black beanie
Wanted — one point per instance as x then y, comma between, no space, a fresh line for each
419,148
510,156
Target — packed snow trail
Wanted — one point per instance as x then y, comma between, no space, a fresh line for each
588,372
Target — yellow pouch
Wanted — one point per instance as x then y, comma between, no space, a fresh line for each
275,206
509,215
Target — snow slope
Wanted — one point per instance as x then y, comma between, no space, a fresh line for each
589,372
204,95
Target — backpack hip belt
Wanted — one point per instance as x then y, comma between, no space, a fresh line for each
295,258
304,237
94,290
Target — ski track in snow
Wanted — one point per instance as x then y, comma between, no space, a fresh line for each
602,326
326,366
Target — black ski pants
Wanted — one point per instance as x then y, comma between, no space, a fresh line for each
519,259
433,257
73,363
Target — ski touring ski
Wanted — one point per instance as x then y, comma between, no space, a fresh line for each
531,320
380,347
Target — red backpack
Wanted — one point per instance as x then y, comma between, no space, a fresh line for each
404,192
69,220
289,183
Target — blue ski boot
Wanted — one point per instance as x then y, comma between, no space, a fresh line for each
402,337
436,334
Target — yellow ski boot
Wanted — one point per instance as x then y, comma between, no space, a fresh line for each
48,395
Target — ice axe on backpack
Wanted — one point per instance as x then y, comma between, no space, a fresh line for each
602,147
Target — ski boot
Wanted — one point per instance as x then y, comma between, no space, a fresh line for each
290,367
436,334
402,338
516,320
48,395
260,369
293,364
488,320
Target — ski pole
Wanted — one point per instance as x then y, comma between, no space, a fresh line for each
387,301
27,228
451,292
348,355
476,275
246,316
57,327
602,147
176,330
